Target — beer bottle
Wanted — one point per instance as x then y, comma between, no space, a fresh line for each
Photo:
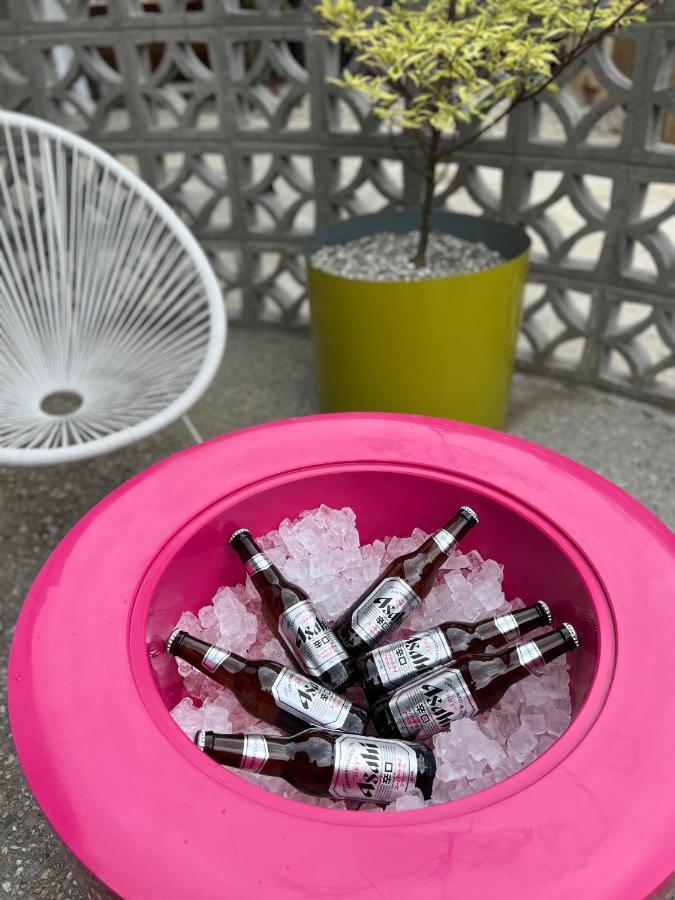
433,701
329,763
268,690
290,614
392,665
400,588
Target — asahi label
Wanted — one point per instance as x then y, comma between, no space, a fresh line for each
429,705
257,563
309,639
408,658
529,655
213,657
446,542
309,701
256,753
508,626
372,769
383,609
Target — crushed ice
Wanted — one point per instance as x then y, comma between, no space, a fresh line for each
320,551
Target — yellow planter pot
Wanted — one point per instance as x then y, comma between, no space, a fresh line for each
440,347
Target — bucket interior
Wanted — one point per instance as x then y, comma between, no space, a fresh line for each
540,562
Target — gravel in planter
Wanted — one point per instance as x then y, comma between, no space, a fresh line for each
386,257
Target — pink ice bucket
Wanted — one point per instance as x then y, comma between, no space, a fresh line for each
145,815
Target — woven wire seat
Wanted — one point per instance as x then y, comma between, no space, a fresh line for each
112,322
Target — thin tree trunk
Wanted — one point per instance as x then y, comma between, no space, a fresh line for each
420,257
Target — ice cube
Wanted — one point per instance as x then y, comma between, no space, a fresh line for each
190,623
475,560
488,571
456,560
521,743
207,617
461,591
238,626
397,546
273,650
535,722
187,717
411,800
216,716
487,597
321,565
557,721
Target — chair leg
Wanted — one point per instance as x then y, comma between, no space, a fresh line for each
194,434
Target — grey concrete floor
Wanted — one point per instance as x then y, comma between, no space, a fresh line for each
267,375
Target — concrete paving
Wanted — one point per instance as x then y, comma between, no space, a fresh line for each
267,375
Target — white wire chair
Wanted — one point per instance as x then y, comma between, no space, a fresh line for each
112,322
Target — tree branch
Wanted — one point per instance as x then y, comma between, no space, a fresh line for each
406,161
584,33
566,61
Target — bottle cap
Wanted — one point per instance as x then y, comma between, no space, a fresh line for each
238,532
469,513
200,739
172,639
571,632
545,609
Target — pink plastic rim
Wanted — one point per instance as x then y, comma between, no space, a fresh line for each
579,727
149,819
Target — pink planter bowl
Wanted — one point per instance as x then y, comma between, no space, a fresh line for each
150,817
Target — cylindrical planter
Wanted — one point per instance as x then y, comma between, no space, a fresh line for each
152,818
441,346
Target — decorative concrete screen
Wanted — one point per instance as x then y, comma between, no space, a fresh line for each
226,108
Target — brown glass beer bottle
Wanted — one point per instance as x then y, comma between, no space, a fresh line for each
270,691
392,665
328,763
432,702
400,588
291,616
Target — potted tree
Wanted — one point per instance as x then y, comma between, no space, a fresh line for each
418,310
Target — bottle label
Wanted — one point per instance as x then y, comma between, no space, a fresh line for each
213,657
255,754
446,542
407,658
430,704
309,639
372,769
309,701
529,655
384,607
508,626
257,563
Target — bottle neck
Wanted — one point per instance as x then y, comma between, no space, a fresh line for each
528,657
208,658
254,753
447,538
503,629
255,561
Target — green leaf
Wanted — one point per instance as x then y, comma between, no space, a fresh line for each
423,71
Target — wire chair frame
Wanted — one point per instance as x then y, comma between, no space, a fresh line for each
112,322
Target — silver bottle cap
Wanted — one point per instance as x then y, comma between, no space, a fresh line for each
571,632
469,513
201,739
546,609
172,637
238,531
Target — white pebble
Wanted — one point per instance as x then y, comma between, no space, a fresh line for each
387,256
